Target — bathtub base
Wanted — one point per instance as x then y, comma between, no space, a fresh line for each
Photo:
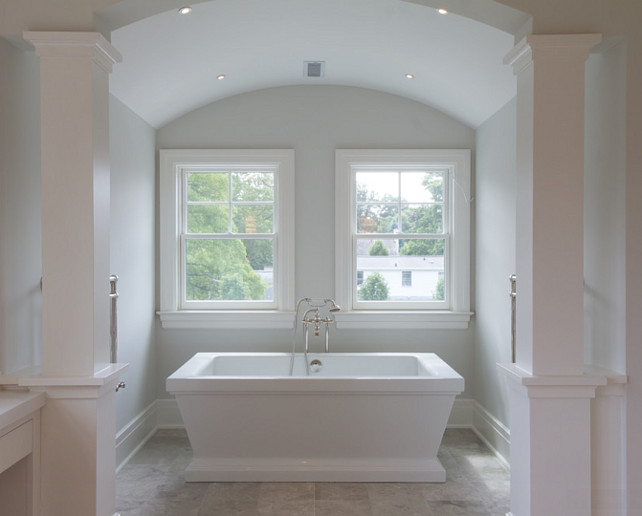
216,470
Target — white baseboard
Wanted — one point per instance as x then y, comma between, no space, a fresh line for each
135,433
461,416
467,413
168,415
164,413
161,413
492,432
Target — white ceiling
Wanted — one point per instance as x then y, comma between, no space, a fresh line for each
171,61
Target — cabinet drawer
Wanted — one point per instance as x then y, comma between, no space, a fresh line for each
16,445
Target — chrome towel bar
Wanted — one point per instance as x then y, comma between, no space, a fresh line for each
113,328
513,307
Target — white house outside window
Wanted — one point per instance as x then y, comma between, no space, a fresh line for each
227,231
403,237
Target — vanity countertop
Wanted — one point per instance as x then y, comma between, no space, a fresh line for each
14,405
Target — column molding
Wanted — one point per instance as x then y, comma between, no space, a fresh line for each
75,45
523,53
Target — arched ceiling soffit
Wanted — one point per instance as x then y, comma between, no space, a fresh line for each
171,62
493,13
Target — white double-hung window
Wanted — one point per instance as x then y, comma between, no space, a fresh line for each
403,238
227,231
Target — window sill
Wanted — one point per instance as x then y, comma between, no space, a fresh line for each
223,320
388,320
357,320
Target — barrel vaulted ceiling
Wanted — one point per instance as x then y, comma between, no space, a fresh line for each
171,62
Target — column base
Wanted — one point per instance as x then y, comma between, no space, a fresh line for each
550,442
78,459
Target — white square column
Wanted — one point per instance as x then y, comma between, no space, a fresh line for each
550,394
74,96
79,418
550,199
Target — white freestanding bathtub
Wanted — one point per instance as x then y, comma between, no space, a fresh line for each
357,417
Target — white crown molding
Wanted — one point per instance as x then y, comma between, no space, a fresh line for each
557,46
91,45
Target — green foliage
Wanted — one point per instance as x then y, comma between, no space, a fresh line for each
438,293
259,253
374,288
219,270
422,247
425,218
378,249
207,187
207,218
224,269
253,186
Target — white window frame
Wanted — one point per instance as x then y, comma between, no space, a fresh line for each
456,312
173,313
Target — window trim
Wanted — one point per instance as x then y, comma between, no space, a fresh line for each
457,315
172,163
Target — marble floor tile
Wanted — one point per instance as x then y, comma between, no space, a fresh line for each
152,484
342,499
457,508
342,508
231,499
286,499
398,498
341,491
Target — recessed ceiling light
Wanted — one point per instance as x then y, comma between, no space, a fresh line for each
409,76
442,11
220,77
185,10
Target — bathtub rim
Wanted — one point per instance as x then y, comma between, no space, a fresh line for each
187,380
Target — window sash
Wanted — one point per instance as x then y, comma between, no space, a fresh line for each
456,226
400,203
230,234
175,165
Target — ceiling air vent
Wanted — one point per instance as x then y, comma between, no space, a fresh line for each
313,68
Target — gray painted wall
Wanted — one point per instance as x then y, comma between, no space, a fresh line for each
604,210
133,255
20,211
494,205
315,121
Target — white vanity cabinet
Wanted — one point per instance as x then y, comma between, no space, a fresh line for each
20,452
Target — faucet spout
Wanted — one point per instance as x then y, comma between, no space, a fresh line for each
313,316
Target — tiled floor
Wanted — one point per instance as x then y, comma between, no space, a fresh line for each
151,484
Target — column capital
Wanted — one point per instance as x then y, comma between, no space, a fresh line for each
550,45
554,386
91,45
